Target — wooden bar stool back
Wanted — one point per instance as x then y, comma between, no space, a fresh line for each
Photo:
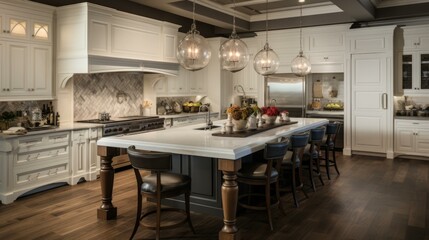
332,130
311,155
292,163
264,173
157,185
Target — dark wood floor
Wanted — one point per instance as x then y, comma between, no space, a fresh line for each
374,198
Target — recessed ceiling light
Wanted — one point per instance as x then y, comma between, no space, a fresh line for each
301,1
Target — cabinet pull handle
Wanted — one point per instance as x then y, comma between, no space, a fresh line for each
415,123
384,100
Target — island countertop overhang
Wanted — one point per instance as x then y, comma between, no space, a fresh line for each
187,141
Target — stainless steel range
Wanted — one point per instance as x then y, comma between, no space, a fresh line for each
131,124
127,125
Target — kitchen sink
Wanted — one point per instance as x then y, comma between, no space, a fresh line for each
206,128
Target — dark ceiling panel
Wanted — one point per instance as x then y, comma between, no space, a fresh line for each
360,10
414,10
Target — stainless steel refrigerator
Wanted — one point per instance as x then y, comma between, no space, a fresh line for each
287,92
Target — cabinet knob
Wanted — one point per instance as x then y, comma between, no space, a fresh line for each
4,31
8,31
7,89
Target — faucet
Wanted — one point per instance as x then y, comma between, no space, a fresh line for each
209,122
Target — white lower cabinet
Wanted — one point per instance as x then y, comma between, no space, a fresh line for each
31,162
412,137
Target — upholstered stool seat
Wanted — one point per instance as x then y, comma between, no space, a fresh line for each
263,173
157,185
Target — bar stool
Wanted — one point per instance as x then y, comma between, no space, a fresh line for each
311,159
158,185
292,163
332,130
264,173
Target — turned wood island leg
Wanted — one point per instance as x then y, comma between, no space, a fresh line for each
229,191
106,211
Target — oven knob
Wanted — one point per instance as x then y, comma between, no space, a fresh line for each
120,129
114,130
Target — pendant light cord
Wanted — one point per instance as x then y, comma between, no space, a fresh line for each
233,19
266,22
193,26
300,30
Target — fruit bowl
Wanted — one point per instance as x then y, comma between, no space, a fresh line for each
333,107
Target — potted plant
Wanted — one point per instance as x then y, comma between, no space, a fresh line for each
270,114
239,116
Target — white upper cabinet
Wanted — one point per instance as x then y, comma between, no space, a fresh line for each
327,41
25,51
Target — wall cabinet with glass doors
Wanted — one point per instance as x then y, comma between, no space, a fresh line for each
415,73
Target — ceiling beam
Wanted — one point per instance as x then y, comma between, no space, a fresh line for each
405,11
360,10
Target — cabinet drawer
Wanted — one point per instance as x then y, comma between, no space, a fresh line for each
79,135
95,133
28,176
41,142
56,153
412,123
326,58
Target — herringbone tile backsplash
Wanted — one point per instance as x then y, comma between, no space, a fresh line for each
120,94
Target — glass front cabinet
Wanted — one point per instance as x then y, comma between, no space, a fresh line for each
415,73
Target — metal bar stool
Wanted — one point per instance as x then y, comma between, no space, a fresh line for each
158,185
292,163
332,130
311,159
264,173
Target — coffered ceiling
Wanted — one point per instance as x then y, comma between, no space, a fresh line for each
216,15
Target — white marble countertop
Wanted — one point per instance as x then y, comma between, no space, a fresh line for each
62,127
186,115
412,118
186,140
324,112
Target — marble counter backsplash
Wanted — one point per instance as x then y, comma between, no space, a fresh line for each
120,94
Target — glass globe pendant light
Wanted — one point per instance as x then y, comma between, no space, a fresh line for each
266,61
193,52
301,66
233,53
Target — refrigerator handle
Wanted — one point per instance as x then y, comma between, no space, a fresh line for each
268,97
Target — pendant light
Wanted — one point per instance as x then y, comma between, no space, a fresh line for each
233,53
266,61
301,66
193,52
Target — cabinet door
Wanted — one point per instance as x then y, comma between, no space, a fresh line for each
332,41
404,138
41,70
41,31
407,71
4,84
422,141
17,60
80,152
161,86
369,102
99,37
16,28
423,83
198,81
179,84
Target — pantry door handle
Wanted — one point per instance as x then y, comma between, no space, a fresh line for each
384,100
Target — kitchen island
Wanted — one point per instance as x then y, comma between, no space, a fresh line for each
187,141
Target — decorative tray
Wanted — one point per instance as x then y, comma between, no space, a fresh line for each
248,133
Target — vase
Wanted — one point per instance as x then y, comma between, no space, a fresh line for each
269,119
252,122
239,125
229,125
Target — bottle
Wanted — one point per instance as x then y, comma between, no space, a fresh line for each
57,118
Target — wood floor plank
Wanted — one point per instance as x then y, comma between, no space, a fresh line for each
373,198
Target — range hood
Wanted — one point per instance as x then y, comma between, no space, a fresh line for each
100,64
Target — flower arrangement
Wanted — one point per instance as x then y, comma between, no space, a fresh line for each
240,113
270,111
